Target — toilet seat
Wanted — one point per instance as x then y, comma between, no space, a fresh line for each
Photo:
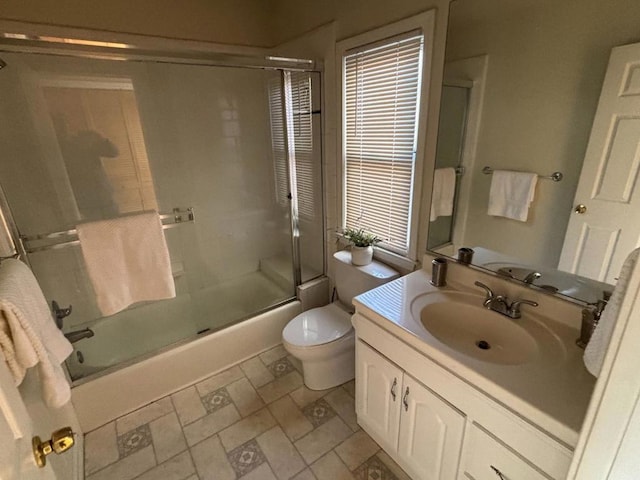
318,326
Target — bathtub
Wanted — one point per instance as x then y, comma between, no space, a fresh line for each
142,331
109,396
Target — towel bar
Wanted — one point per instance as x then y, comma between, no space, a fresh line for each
555,176
169,220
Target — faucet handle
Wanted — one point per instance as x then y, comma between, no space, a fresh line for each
514,309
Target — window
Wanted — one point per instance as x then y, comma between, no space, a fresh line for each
381,98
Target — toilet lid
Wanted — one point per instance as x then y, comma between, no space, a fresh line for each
317,326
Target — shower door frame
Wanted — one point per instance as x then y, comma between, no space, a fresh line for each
145,49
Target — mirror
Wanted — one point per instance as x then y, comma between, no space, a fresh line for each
522,84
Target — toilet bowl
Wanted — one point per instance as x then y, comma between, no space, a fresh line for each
323,338
324,342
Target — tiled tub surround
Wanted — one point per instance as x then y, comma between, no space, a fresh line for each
253,421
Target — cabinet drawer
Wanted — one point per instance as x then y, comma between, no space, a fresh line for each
486,458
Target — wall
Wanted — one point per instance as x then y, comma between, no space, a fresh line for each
547,60
239,22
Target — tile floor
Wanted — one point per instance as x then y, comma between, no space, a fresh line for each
255,421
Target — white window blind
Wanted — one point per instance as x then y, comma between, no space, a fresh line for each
381,98
299,109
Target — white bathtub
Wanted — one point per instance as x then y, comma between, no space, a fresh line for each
103,399
142,331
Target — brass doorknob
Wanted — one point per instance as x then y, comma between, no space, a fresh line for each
580,209
61,441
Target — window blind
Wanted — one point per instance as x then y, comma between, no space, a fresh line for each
381,98
299,107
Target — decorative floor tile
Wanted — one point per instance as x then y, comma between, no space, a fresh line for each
280,367
318,412
373,469
272,355
246,458
239,425
216,400
134,440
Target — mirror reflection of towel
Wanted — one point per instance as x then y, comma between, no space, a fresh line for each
511,194
444,190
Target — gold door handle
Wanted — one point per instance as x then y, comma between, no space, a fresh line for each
580,209
61,441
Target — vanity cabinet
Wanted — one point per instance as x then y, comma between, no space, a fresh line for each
485,457
406,418
444,428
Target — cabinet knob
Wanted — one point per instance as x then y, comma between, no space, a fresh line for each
393,388
405,400
498,473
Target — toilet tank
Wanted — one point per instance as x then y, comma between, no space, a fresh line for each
351,280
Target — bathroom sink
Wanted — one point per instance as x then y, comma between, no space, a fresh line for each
461,322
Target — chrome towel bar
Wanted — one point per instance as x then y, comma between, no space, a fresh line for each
555,176
70,237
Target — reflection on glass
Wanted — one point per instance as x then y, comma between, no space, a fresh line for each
453,118
100,137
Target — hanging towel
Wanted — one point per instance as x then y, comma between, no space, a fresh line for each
511,194
597,346
127,260
444,190
28,333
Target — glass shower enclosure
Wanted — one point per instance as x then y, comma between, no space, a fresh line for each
229,155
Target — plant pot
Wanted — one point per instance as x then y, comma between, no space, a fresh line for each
361,255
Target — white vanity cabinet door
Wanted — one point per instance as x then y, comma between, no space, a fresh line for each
378,397
431,432
487,458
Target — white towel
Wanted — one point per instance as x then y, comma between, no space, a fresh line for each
28,334
511,194
597,346
444,190
127,260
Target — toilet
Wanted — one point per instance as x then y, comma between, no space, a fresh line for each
323,338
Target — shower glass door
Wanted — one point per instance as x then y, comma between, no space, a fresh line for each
90,139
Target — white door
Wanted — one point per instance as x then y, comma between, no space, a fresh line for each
598,240
24,415
378,385
431,433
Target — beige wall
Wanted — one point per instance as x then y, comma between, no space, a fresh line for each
295,17
240,22
547,60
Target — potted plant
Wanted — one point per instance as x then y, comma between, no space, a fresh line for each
361,245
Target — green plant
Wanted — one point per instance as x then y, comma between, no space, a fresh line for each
360,238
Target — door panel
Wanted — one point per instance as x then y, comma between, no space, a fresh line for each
16,431
431,433
378,384
598,240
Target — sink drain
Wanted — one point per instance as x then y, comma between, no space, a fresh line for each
483,345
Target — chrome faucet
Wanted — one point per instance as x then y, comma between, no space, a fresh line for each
500,303
77,335
532,277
